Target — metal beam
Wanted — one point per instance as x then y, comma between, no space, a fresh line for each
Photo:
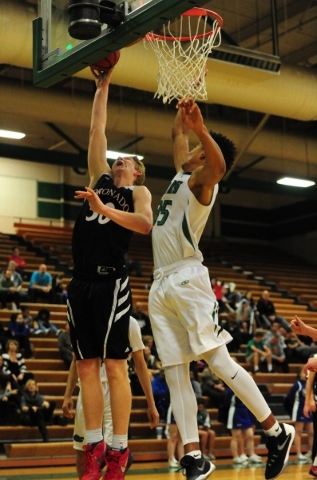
144,19
248,142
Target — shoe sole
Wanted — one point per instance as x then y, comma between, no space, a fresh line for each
292,433
312,474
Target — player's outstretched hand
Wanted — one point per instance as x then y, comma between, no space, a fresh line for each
102,78
298,326
95,203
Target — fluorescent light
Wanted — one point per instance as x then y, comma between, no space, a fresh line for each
8,134
115,155
295,182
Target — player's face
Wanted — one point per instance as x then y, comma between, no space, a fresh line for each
124,163
195,158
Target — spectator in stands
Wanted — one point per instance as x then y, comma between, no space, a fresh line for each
59,294
230,298
8,292
216,287
206,434
161,395
17,280
148,341
240,422
257,352
35,409
266,311
14,365
18,260
233,327
9,401
29,321
142,318
276,345
41,285
153,365
133,265
213,387
44,322
20,332
65,346
246,310
174,442
195,383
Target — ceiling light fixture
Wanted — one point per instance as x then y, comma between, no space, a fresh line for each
9,134
114,155
295,182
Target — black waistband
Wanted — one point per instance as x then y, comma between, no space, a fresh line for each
101,274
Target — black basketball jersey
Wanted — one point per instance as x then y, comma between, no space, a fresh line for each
98,241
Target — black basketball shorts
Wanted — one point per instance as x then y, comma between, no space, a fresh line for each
99,316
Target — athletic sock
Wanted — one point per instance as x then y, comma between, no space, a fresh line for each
94,436
273,431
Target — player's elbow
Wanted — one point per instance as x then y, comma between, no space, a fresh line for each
146,227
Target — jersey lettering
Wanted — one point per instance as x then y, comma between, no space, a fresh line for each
173,188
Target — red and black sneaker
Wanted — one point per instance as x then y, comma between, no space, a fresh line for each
94,460
118,463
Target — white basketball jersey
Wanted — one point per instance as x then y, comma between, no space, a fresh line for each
179,222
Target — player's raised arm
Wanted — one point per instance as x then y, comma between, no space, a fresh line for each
97,149
180,134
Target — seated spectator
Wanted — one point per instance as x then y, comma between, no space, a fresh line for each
44,323
59,294
9,403
9,294
161,395
213,387
41,285
195,383
65,346
153,365
229,300
29,320
142,318
266,311
35,409
17,280
257,352
148,341
133,265
20,332
247,331
232,326
246,311
18,260
206,435
217,288
276,345
14,365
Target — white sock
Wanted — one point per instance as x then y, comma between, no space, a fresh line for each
273,431
195,454
119,442
94,436
269,367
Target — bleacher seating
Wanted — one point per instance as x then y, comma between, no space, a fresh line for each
247,268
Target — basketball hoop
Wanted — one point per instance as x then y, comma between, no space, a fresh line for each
182,51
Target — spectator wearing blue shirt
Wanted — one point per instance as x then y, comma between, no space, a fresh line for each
41,285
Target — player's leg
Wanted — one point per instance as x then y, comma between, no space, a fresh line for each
279,436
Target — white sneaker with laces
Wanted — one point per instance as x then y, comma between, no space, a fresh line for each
301,458
173,463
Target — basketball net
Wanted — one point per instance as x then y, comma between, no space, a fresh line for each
182,59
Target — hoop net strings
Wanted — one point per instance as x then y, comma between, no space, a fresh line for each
182,64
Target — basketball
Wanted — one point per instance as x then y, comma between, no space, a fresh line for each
106,63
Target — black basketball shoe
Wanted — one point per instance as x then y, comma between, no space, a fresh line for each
196,468
278,451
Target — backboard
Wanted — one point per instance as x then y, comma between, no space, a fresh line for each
56,55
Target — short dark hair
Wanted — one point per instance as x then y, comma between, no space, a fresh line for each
227,148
